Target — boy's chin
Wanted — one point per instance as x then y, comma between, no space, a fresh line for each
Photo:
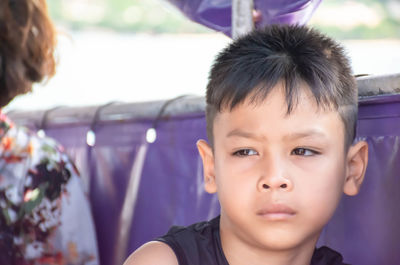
287,241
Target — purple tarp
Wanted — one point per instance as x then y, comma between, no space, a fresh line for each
365,228
217,14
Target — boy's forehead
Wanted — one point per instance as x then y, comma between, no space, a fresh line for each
278,99
272,111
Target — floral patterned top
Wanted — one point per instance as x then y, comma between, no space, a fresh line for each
45,216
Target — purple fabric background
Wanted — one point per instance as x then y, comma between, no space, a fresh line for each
365,228
216,14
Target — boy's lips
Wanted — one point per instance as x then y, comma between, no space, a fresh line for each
276,212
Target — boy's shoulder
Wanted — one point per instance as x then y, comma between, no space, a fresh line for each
152,253
196,244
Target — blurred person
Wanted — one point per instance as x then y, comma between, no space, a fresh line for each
45,216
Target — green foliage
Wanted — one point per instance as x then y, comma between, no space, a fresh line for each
153,16
389,27
386,29
27,207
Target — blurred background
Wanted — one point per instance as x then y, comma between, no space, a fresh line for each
141,50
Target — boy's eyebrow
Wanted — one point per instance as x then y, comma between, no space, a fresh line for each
291,136
305,134
244,134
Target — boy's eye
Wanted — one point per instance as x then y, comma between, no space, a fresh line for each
304,152
245,152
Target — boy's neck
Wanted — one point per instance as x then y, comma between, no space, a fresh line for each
239,252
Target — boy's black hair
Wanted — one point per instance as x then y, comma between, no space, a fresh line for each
252,65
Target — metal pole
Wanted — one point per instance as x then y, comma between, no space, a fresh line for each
242,18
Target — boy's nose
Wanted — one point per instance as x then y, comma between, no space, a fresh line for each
279,186
274,178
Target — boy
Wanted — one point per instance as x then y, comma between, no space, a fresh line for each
281,117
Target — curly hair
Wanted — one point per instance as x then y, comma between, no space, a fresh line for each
27,44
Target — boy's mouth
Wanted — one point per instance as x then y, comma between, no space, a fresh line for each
276,212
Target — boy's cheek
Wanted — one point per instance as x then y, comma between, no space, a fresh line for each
323,204
323,188
242,166
318,183
319,164
235,165
313,166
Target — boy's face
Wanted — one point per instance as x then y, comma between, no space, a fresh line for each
280,177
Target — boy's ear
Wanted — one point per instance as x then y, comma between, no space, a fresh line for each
356,164
207,156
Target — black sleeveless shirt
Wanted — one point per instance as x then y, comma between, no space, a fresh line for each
200,244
